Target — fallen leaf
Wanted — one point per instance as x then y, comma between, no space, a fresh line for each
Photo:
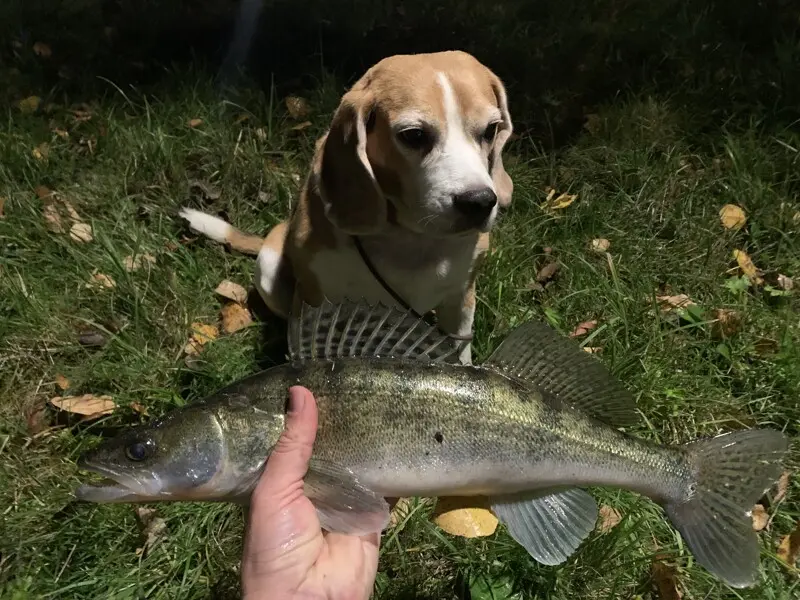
766,346
670,303
232,291
42,49
558,202
789,548
235,317
91,337
781,488
600,245
43,191
41,152
29,105
241,118
195,122
99,281
139,408
261,134
726,323
201,335
747,266
399,511
732,217
2,206
592,349
760,517
583,328
666,582
593,123
62,382
784,282
467,520
52,219
301,126
609,518
62,133
36,418
547,272
88,405
153,528
134,263
81,232
297,107
264,197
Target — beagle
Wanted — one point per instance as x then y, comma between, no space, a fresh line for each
401,195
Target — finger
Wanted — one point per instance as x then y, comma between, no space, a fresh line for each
288,461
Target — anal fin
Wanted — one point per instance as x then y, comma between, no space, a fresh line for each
551,526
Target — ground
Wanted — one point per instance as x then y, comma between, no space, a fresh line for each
653,117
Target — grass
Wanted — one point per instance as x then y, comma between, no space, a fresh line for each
691,109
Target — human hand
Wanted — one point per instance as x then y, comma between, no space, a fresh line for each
286,553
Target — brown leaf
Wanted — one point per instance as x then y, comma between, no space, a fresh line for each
666,582
139,408
726,323
81,232
241,118
62,382
36,418
789,548
43,191
29,105
134,263
153,528
52,219
195,122
583,328
88,405
42,49
231,291
670,303
465,518
732,217
297,107
766,346
781,488
609,518
91,337
747,266
235,317
2,206
301,126
99,281
547,272
593,123
41,152
600,245
62,133
784,282
760,517
201,335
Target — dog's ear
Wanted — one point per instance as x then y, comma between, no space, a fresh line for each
503,186
345,180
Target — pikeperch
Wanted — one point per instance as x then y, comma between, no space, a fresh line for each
398,418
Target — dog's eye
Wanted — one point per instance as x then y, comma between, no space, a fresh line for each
414,138
490,132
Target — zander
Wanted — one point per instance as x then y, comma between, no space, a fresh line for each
397,417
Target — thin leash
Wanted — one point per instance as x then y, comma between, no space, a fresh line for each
428,317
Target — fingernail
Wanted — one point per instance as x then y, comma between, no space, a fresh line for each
297,399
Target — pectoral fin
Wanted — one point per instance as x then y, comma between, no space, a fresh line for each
343,504
550,527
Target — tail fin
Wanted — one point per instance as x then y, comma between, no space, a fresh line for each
221,231
731,473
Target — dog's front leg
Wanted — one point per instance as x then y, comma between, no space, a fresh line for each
456,315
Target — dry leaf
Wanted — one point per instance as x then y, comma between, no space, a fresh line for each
88,405
583,328
558,202
399,511
81,232
201,335
134,263
29,104
297,107
261,134
666,582
99,281
235,317
732,217
62,382
301,126
52,219
195,122
231,291
766,346
747,266
789,548
41,152
784,282
600,245
153,528
62,133
760,517
547,272
91,337
43,191
726,323
464,517
42,49
593,123
592,349
609,518
670,303
36,418
139,408
241,118
2,207
781,488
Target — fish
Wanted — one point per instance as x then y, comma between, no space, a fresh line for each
530,429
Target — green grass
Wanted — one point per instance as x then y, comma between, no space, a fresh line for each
680,139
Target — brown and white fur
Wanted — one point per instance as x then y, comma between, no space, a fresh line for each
412,166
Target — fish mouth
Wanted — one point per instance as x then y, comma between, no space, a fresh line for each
115,487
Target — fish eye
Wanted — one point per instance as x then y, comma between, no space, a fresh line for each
415,138
137,451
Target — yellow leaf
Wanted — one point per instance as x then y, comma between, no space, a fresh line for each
235,317
747,266
81,232
297,107
134,263
609,518
195,122
42,49
558,202
41,152
29,104
231,291
62,382
201,335
301,126
789,548
592,349
88,405
465,517
760,517
600,245
666,582
732,216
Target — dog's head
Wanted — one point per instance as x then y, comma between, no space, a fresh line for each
417,141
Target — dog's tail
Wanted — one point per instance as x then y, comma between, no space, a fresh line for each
221,231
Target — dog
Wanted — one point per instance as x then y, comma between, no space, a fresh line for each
402,193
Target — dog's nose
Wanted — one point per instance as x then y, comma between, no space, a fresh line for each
476,205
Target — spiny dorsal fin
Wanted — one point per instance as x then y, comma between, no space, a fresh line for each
358,329
537,353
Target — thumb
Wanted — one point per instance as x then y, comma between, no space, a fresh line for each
288,462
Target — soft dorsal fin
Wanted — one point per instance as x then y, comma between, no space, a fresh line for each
537,353
358,329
